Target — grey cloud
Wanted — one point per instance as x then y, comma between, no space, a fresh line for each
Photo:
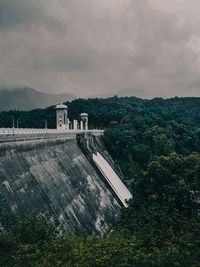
28,15
11,15
125,47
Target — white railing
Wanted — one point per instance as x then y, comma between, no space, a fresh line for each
16,131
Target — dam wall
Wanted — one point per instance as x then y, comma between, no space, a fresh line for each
56,173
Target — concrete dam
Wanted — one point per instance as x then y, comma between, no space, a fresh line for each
70,175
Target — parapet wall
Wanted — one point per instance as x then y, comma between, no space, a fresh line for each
10,135
25,131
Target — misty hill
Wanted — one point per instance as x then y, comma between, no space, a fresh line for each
26,98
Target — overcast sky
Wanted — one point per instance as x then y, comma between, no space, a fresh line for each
145,48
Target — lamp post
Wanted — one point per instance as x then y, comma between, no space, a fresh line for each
13,121
45,126
13,124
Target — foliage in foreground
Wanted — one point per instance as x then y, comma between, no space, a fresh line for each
116,249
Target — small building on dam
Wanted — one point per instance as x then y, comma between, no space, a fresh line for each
63,122
67,172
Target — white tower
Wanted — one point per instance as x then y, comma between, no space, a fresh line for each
84,121
61,117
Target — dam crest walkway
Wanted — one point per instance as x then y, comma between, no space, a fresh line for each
23,134
15,131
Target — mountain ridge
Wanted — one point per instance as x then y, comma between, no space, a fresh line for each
27,98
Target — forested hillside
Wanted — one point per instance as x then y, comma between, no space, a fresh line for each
156,143
103,111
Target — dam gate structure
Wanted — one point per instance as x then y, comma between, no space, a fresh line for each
63,125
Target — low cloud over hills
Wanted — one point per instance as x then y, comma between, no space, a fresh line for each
26,98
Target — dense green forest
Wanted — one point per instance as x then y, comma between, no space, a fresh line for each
103,111
156,143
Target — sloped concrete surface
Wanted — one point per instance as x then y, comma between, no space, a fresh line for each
54,175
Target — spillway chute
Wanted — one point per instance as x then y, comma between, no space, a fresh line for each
112,178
